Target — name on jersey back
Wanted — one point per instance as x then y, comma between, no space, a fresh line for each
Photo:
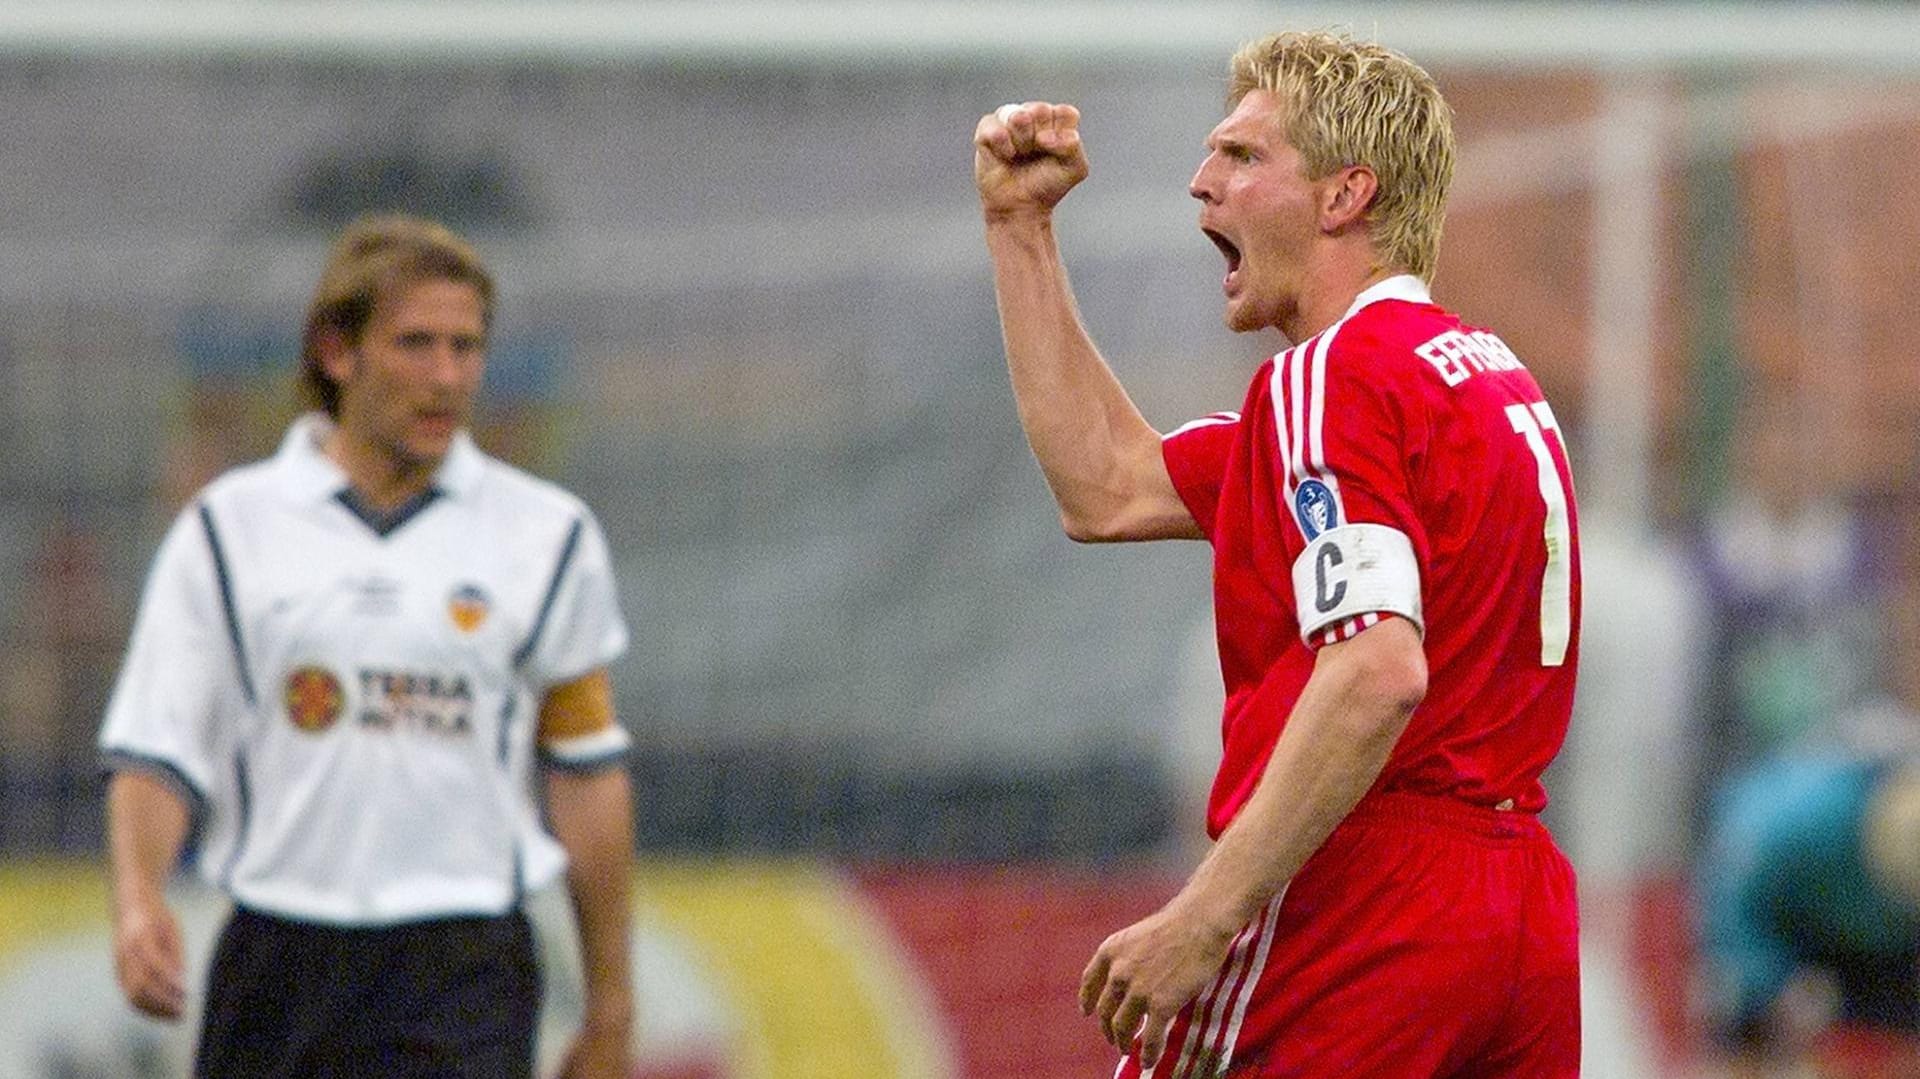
1458,356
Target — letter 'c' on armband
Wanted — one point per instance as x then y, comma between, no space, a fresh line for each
1355,570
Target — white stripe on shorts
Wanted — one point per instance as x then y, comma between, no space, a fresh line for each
1223,1027
1203,1007
1253,978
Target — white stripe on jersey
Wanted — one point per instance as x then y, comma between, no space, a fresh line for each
1298,387
1276,389
1299,423
1318,402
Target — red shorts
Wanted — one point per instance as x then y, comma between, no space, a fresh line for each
1426,939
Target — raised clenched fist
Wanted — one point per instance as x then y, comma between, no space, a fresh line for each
1026,157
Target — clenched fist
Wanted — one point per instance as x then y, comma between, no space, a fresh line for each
1026,157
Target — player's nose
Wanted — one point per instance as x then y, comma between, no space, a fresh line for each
448,365
1201,186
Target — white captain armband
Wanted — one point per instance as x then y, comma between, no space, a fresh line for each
1353,571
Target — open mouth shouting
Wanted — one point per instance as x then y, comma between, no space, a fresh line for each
1232,251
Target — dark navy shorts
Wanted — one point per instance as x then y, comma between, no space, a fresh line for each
455,997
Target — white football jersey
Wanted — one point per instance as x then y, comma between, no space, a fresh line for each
349,701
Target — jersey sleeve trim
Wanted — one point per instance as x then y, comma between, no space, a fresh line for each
567,549
1216,419
168,773
594,752
1349,629
227,606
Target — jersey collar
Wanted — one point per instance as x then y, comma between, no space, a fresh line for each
1398,287
460,473
309,473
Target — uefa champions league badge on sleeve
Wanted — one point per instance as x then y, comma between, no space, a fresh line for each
1315,507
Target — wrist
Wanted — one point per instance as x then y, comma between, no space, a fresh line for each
1018,218
1214,916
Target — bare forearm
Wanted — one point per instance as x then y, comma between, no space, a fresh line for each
147,826
1335,744
1099,455
592,816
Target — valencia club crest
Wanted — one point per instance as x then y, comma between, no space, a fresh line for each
468,607
314,698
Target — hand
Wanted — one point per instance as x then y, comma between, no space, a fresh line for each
603,1047
1027,157
1143,975
148,958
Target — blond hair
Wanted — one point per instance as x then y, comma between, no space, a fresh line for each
1348,102
374,258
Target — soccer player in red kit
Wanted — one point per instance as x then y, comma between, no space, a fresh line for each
1397,594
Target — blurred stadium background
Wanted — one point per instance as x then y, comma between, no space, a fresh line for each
904,753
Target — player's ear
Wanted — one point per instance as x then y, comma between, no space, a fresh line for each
335,353
1346,195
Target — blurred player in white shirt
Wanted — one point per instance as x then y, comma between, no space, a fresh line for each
348,662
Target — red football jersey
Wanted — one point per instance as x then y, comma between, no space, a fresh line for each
1398,463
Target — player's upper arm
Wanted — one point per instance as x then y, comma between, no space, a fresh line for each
1137,501
1386,668
578,731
